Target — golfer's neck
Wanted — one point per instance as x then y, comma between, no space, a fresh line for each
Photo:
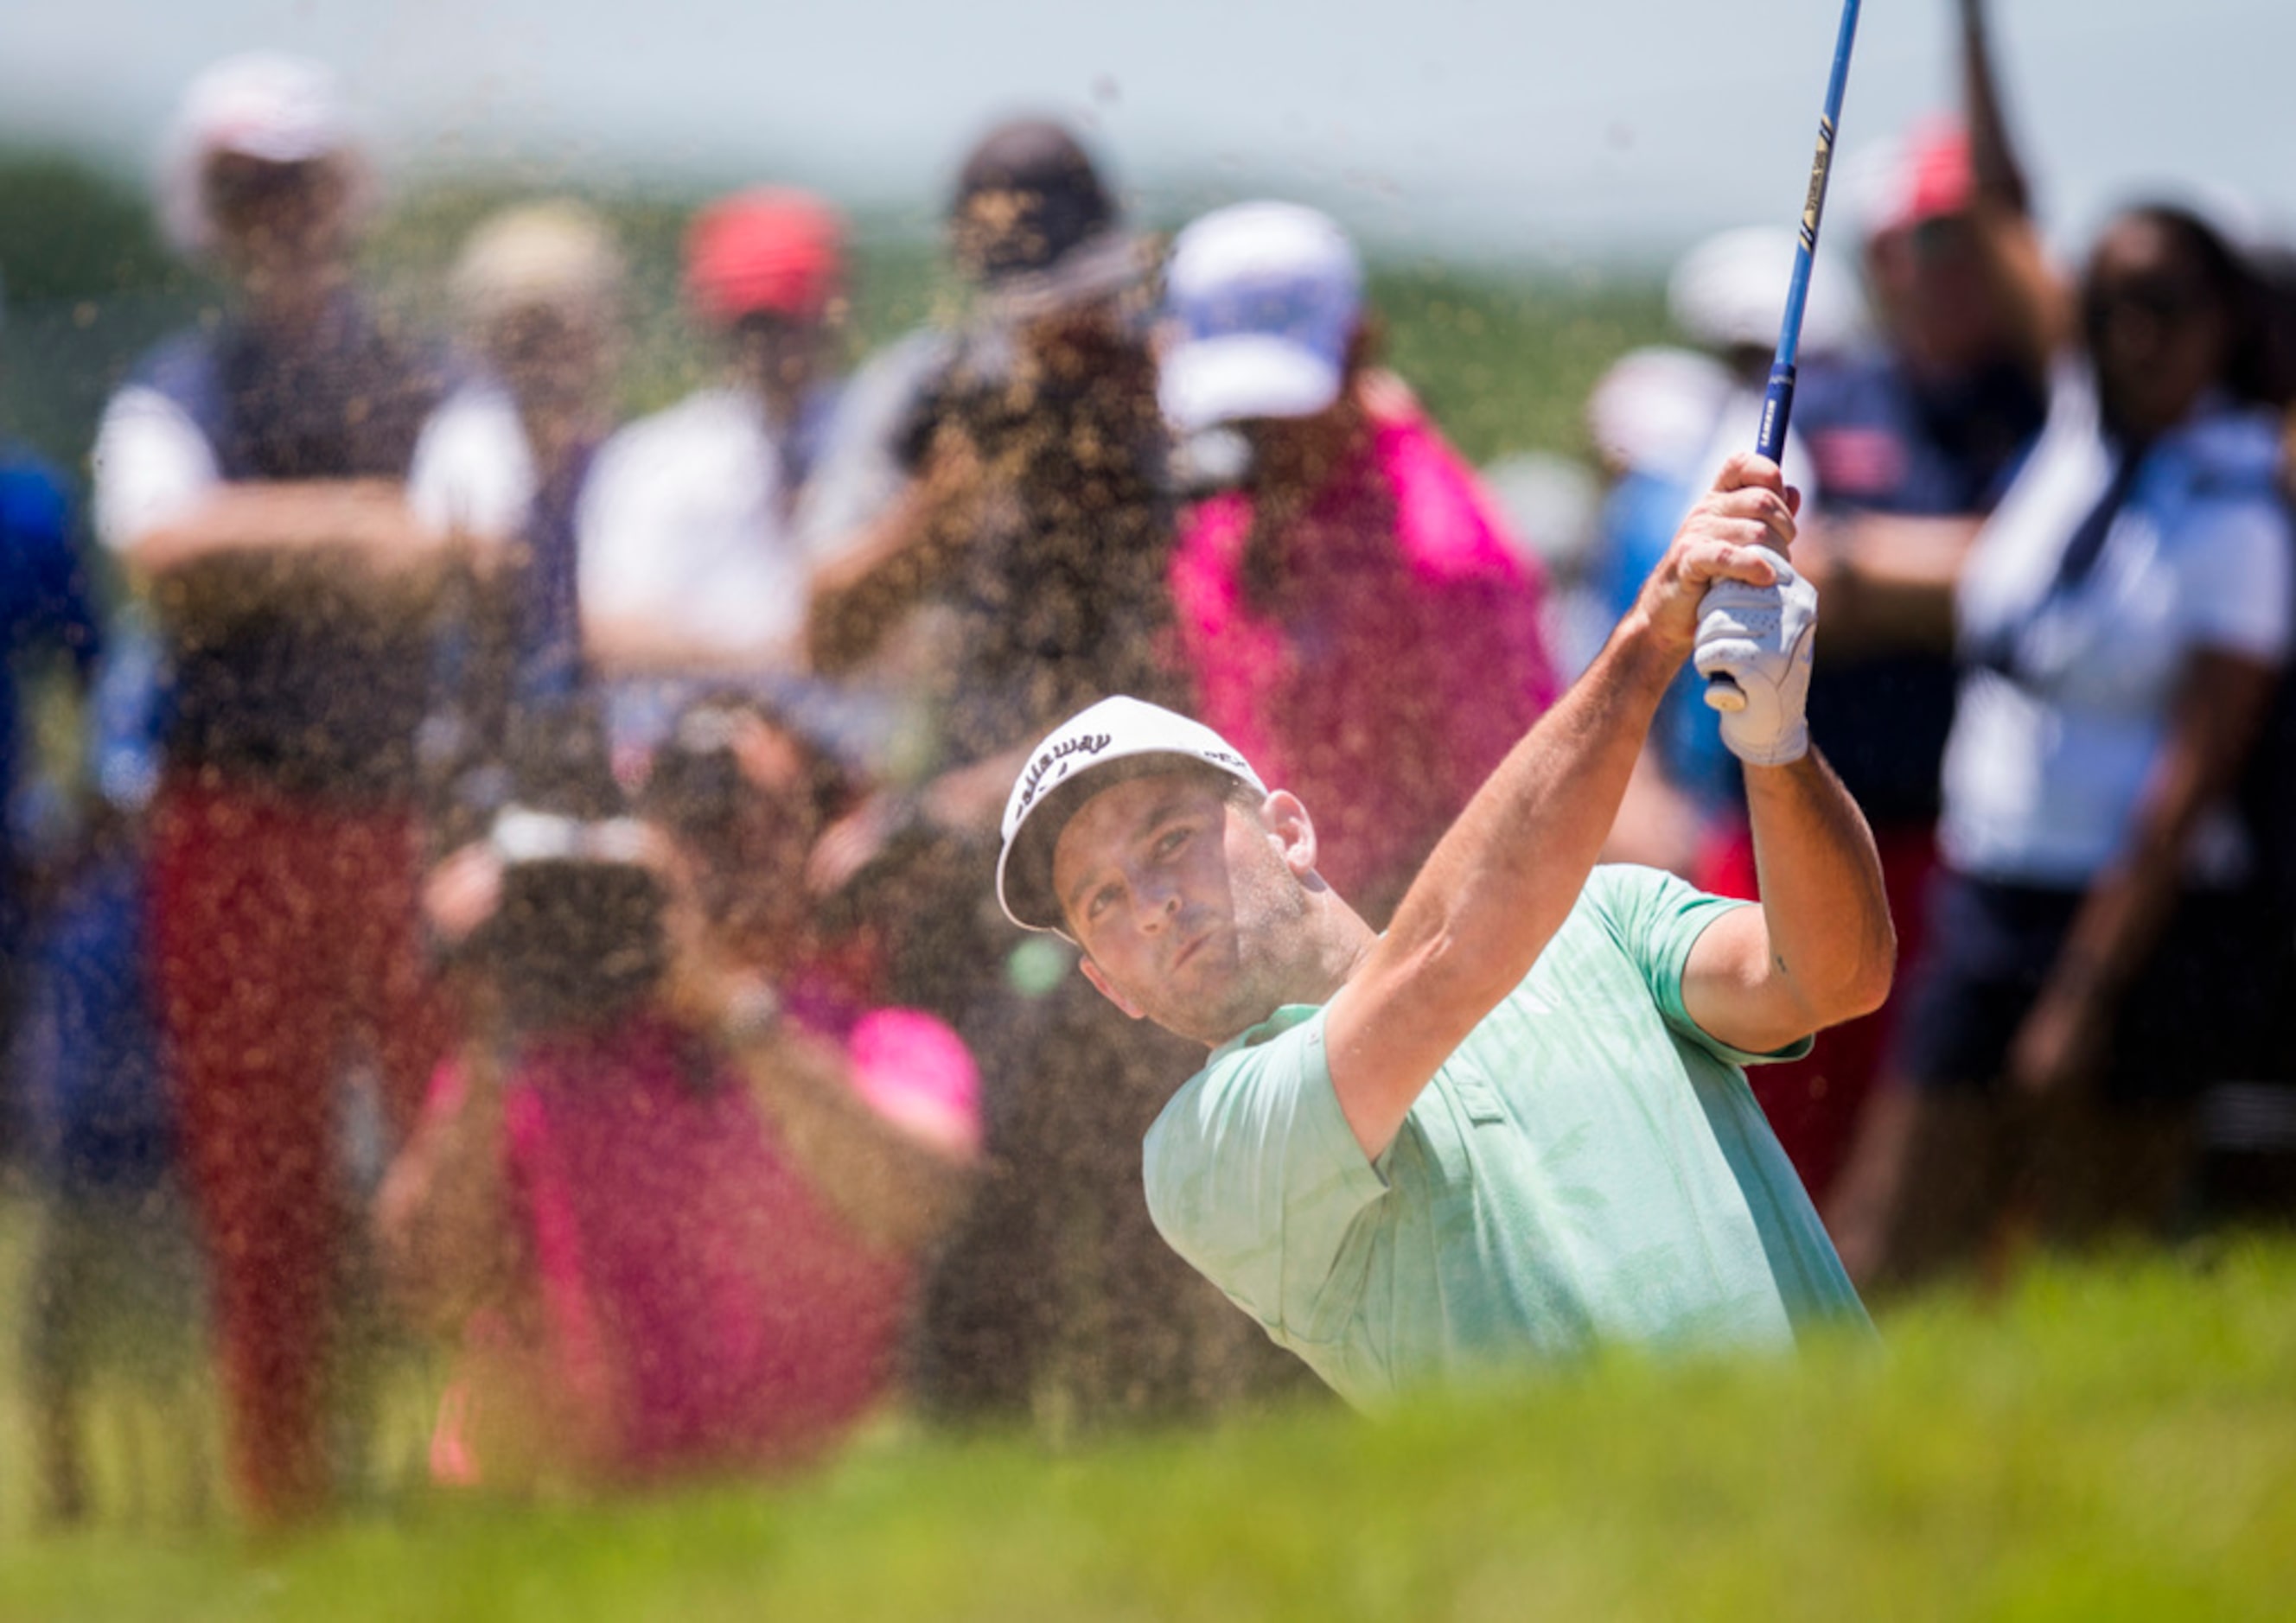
1339,941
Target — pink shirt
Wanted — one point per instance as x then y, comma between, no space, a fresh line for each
1392,665
694,1290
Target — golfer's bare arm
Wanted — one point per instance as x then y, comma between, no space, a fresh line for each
1820,948
1503,879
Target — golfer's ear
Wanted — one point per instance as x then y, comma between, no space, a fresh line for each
1295,832
1101,985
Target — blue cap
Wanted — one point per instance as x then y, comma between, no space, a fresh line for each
1261,301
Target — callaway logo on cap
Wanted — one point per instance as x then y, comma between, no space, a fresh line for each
1113,730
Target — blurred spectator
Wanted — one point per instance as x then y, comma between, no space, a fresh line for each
1035,534
691,563
2095,952
1039,515
1054,246
673,1213
1914,438
47,611
2246,1170
1355,615
254,476
538,295
115,1269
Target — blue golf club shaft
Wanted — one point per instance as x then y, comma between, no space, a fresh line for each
1722,692
1777,399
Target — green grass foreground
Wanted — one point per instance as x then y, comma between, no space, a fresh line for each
2100,1443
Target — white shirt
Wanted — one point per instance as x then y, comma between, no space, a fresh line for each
682,527
2043,773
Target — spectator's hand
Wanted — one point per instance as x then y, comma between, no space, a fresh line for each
1385,396
461,892
852,842
1762,638
2061,1044
701,982
1736,533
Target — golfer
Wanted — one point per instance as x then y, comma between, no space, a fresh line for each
1514,1127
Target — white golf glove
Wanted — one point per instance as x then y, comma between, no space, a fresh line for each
1761,640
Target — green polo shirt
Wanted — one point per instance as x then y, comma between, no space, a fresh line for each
1587,1167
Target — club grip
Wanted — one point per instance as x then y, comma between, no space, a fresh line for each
1722,693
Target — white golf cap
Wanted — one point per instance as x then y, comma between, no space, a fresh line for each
280,108
1114,730
1262,300
265,105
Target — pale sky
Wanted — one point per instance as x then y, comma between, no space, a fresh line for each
1509,126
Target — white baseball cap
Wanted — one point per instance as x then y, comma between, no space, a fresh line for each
1114,730
1656,409
265,105
1261,300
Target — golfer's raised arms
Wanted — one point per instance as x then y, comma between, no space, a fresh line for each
1510,871
1516,1125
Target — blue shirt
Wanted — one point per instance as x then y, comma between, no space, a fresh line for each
45,603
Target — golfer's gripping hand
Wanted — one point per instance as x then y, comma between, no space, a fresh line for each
1725,594
1755,627
1762,638
1738,533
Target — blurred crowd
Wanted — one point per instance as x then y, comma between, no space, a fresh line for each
530,889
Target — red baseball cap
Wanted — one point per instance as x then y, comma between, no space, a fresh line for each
774,250
1924,174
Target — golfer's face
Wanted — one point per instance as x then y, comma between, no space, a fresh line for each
1174,892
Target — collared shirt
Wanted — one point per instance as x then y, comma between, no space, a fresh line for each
1587,1167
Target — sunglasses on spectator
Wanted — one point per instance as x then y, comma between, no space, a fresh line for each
2170,301
1941,238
